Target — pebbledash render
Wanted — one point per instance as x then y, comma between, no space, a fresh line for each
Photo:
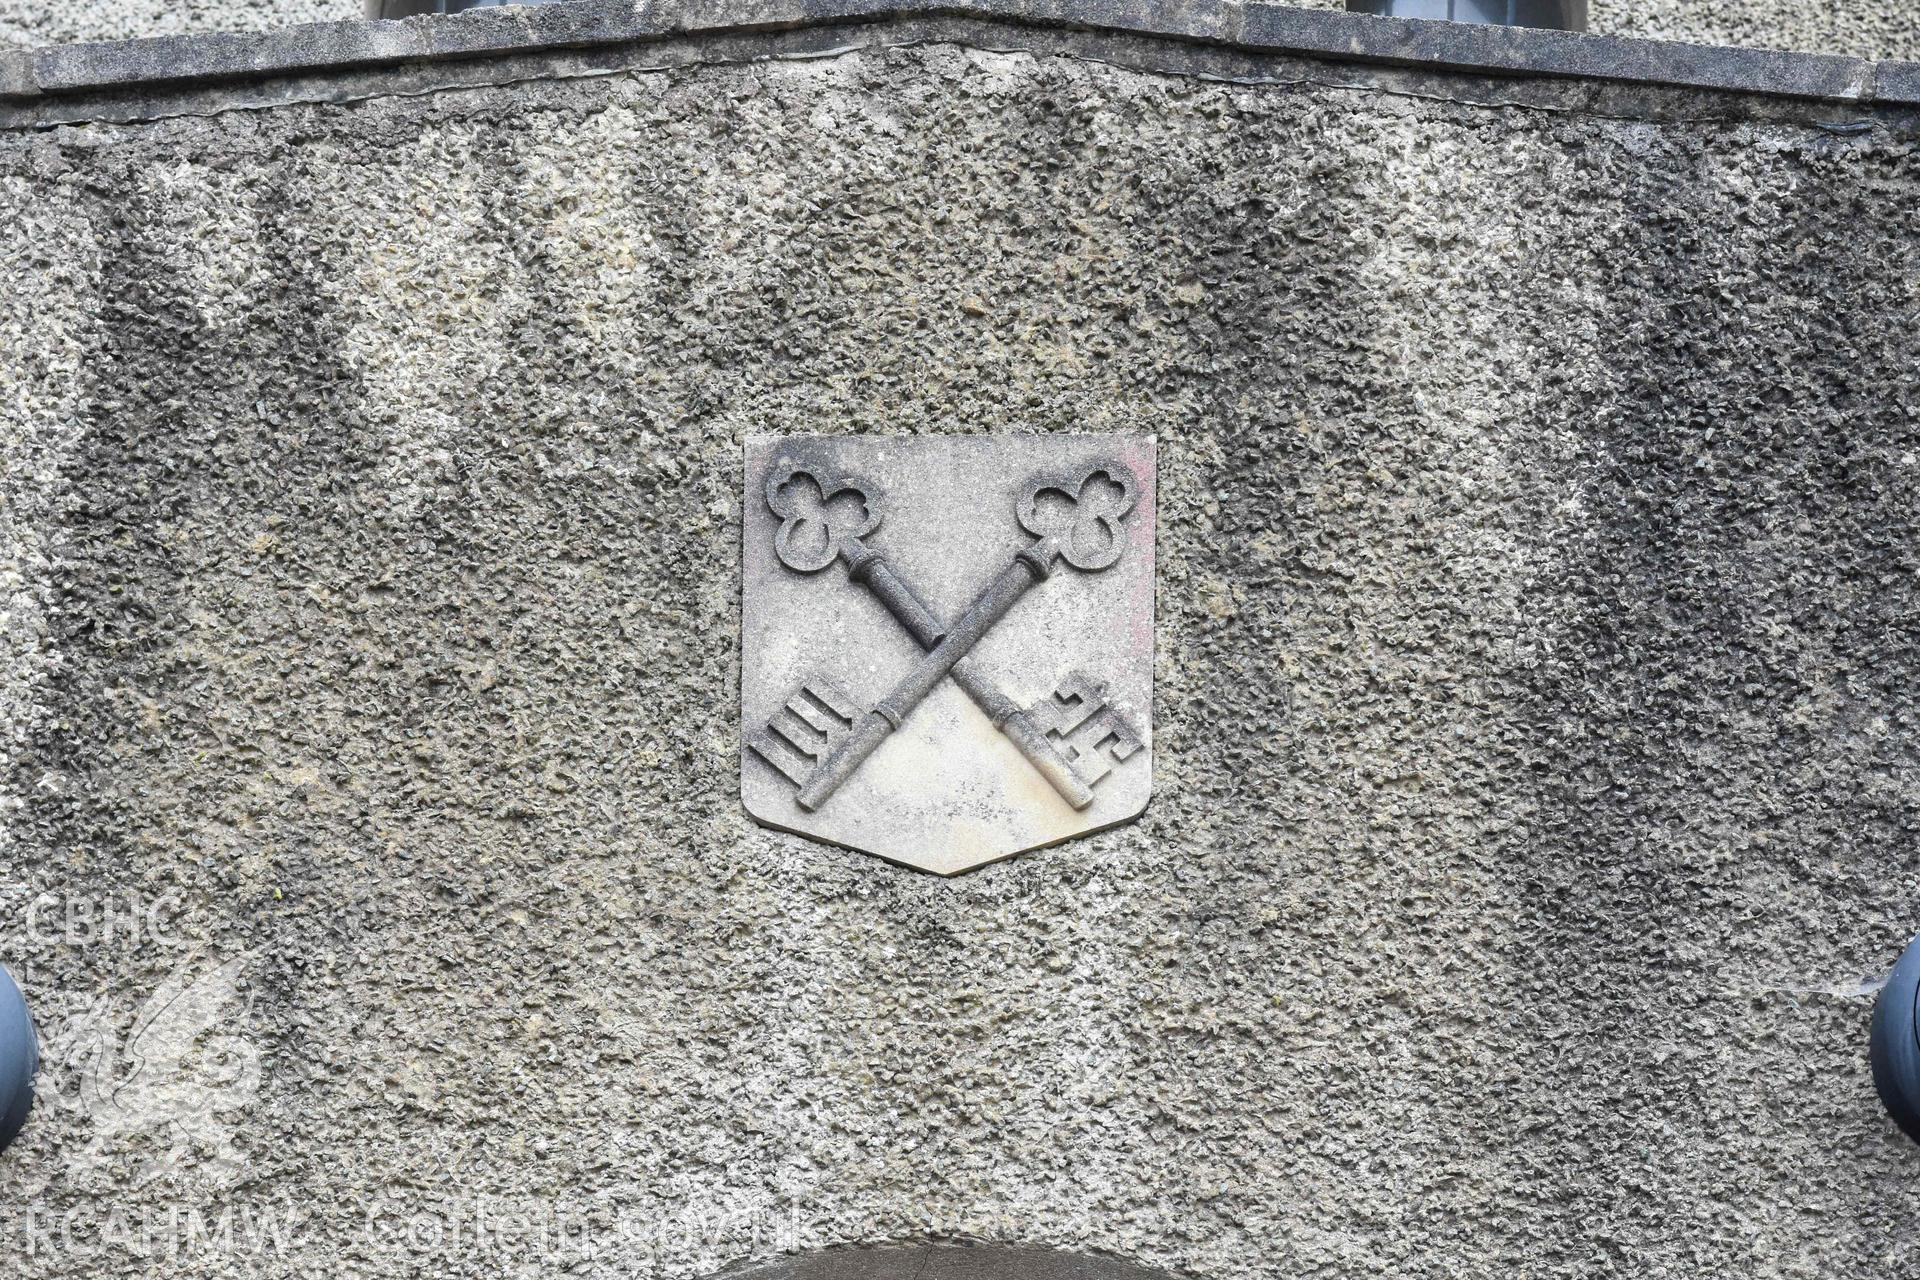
1530,716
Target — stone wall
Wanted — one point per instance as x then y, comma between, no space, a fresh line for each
27,23
1862,28
1537,777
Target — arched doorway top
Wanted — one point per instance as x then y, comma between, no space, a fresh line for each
943,1262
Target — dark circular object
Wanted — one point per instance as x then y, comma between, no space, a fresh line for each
1895,1051
415,8
19,1059
1554,15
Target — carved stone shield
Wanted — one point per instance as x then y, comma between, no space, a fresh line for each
947,641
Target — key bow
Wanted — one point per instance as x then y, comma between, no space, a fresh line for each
1079,517
821,515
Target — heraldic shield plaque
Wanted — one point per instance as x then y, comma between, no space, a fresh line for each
947,641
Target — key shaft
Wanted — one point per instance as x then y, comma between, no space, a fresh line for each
871,570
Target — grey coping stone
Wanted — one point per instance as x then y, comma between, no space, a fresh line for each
1898,83
1270,29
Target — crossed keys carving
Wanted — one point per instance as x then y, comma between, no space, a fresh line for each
821,738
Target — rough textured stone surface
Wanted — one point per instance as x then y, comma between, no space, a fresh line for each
1863,28
37,22
1536,775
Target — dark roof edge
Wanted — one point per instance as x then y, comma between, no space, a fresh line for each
61,71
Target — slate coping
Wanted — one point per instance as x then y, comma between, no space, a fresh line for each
77,70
